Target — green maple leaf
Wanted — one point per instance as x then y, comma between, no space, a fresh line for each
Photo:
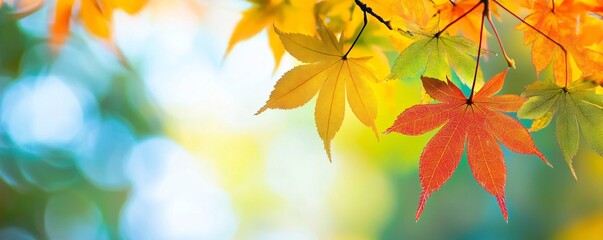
437,56
577,107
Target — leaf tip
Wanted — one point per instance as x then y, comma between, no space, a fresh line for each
261,110
503,208
392,128
418,216
327,146
548,163
229,48
422,200
541,156
375,131
573,172
389,130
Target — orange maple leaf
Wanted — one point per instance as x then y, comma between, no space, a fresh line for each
95,15
566,22
478,121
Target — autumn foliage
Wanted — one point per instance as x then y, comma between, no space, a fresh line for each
475,120
331,73
439,43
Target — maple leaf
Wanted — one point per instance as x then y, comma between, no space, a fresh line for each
565,22
329,70
437,56
476,120
95,15
286,15
576,107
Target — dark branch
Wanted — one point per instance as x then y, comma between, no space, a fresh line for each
479,51
459,18
345,56
367,9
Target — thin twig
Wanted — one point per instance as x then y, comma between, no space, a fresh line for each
459,18
344,57
367,9
479,51
510,61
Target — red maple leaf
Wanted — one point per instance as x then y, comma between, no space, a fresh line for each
476,120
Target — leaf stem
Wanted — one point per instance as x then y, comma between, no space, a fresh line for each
452,2
553,9
479,51
345,56
510,61
543,34
459,18
366,9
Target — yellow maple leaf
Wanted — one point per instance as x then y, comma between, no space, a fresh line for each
95,15
287,15
330,73
413,11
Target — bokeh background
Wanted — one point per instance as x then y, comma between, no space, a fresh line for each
162,143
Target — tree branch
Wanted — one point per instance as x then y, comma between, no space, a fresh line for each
479,51
459,18
357,37
367,9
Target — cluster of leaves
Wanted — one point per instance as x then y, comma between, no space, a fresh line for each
441,43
